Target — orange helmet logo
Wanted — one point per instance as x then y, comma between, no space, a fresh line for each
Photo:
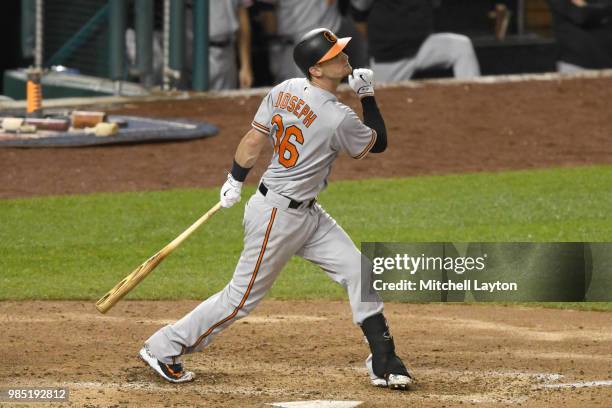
329,36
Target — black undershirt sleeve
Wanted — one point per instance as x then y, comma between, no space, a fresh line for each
373,119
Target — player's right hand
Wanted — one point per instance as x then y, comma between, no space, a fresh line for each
230,192
362,82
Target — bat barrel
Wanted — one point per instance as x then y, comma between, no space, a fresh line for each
114,295
103,305
129,282
121,289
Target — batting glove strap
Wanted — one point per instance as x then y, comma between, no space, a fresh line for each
230,192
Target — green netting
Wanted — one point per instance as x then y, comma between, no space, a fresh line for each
76,35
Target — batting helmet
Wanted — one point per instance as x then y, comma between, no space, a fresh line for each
316,46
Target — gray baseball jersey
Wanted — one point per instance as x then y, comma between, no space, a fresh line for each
294,19
222,31
223,18
308,128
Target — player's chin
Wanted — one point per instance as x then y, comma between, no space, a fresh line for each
348,69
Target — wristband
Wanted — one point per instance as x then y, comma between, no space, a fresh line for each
238,172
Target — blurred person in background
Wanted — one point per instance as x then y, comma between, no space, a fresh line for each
286,21
158,52
229,46
401,40
583,29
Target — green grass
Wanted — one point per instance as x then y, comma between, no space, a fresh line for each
78,247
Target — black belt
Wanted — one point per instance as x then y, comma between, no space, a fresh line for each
220,44
293,204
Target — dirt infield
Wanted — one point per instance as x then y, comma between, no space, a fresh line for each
288,351
461,355
433,129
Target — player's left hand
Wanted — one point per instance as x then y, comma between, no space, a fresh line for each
362,82
230,192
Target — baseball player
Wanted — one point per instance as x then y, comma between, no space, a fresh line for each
286,21
401,40
308,128
229,31
229,46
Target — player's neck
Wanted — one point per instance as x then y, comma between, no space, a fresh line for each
328,84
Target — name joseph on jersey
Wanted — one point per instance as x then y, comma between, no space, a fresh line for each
295,104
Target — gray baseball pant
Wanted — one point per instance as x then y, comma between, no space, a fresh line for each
273,233
443,50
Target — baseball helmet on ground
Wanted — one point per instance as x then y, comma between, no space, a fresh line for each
316,46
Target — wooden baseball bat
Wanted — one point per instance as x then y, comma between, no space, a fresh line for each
57,124
83,119
129,282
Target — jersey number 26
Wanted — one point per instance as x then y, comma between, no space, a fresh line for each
287,151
